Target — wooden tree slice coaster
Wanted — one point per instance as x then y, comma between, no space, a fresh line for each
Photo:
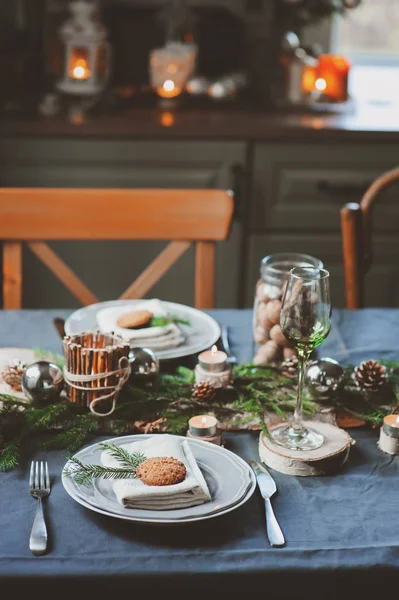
325,460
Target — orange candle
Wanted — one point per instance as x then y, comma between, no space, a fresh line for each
334,70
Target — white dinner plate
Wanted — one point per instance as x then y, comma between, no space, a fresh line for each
200,334
230,480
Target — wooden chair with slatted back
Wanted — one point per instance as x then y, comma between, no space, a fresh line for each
182,217
356,230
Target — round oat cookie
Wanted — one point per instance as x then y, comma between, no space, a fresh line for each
161,470
135,319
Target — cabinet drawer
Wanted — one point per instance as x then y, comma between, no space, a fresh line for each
303,186
381,282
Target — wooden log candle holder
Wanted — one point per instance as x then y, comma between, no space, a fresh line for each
326,460
96,368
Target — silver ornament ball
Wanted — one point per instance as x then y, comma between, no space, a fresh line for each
144,366
42,381
324,377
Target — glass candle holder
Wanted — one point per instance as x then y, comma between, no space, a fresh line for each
171,67
333,74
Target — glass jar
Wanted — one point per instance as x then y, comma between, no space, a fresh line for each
270,343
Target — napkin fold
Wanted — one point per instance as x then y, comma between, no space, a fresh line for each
155,338
133,493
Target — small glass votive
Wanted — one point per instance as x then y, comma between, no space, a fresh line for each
170,68
205,428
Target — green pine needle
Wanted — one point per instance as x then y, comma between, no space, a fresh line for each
83,474
9,456
129,460
164,321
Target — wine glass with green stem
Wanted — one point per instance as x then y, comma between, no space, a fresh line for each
305,320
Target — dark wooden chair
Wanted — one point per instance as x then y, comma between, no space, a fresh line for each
182,217
356,229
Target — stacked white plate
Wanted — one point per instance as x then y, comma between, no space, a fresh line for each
201,333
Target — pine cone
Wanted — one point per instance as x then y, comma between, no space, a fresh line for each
289,367
370,376
203,391
12,374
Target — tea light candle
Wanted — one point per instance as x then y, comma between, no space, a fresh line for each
202,426
389,435
213,360
391,425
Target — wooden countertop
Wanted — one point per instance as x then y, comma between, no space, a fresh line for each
358,122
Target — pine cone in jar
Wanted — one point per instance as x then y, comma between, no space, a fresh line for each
261,316
278,336
289,367
273,310
289,352
260,335
267,353
261,291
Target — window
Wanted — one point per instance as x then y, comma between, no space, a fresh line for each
369,33
368,36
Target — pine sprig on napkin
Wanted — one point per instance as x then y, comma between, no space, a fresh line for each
164,321
83,474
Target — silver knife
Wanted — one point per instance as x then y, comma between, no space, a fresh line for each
267,488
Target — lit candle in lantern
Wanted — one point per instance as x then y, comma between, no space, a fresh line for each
80,69
213,360
168,90
334,71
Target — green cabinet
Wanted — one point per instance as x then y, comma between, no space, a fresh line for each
298,189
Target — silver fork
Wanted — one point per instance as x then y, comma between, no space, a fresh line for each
39,487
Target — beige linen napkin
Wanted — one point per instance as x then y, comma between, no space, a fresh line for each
133,493
156,338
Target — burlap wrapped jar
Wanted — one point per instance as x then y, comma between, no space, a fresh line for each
269,341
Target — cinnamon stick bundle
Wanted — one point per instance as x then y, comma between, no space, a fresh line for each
93,353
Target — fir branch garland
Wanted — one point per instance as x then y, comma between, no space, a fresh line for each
258,392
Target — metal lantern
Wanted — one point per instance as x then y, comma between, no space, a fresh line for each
87,52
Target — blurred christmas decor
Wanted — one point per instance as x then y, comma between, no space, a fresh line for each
171,67
261,394
296,13
87,53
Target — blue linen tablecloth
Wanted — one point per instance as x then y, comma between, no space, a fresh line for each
342,531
